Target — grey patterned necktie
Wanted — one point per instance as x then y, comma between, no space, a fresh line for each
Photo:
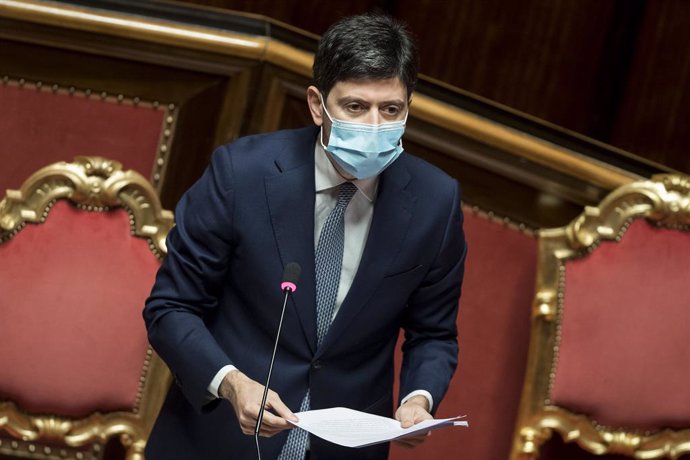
328,264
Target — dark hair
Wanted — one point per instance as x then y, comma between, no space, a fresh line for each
368,46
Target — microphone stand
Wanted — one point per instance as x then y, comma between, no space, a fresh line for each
288,288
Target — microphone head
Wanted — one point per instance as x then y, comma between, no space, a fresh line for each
291,276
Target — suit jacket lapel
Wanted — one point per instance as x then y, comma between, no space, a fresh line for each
290,195
392,216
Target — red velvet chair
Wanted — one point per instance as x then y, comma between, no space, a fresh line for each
80,244
609,360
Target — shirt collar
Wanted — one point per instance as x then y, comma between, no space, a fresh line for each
326,176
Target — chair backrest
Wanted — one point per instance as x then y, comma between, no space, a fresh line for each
80,244
610,345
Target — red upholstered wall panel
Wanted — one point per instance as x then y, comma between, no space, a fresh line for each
39,127
625,347
493,328
70,312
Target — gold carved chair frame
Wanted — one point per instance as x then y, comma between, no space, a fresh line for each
663,200
93,184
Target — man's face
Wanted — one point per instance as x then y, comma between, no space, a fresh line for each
361,101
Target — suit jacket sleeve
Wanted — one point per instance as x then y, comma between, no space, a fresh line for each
190,279
430,349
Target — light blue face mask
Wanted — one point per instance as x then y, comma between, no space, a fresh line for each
364,150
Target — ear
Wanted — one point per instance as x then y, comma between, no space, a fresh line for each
314,103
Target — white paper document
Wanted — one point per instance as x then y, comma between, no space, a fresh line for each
351,428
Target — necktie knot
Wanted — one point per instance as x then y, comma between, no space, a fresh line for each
346,191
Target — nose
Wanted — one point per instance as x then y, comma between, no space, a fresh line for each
373,116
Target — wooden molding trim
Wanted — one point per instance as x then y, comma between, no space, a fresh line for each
124,25
518,143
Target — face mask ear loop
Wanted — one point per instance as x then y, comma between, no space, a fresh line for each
323,104
321,139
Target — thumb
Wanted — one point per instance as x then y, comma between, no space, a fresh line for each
407,418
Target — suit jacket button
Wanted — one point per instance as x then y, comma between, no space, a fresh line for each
316,364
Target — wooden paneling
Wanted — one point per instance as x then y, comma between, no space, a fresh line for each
654,117
543,57
537,56
613,70
281,102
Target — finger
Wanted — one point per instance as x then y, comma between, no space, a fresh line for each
267,432
407,418
422,415
249,417
247,420
279,407
273,425
273,421
247,428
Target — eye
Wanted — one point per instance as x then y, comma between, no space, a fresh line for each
391,110
354,107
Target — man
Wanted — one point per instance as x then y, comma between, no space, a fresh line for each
272,199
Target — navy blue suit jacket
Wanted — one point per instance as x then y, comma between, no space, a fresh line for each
217,299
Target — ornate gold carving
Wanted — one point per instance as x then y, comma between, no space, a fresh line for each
545,305
664,200
94,184
674,183
598,440
53,430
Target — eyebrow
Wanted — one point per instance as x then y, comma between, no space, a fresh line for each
346,99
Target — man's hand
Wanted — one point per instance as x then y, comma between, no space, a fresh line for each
245,396
415,410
